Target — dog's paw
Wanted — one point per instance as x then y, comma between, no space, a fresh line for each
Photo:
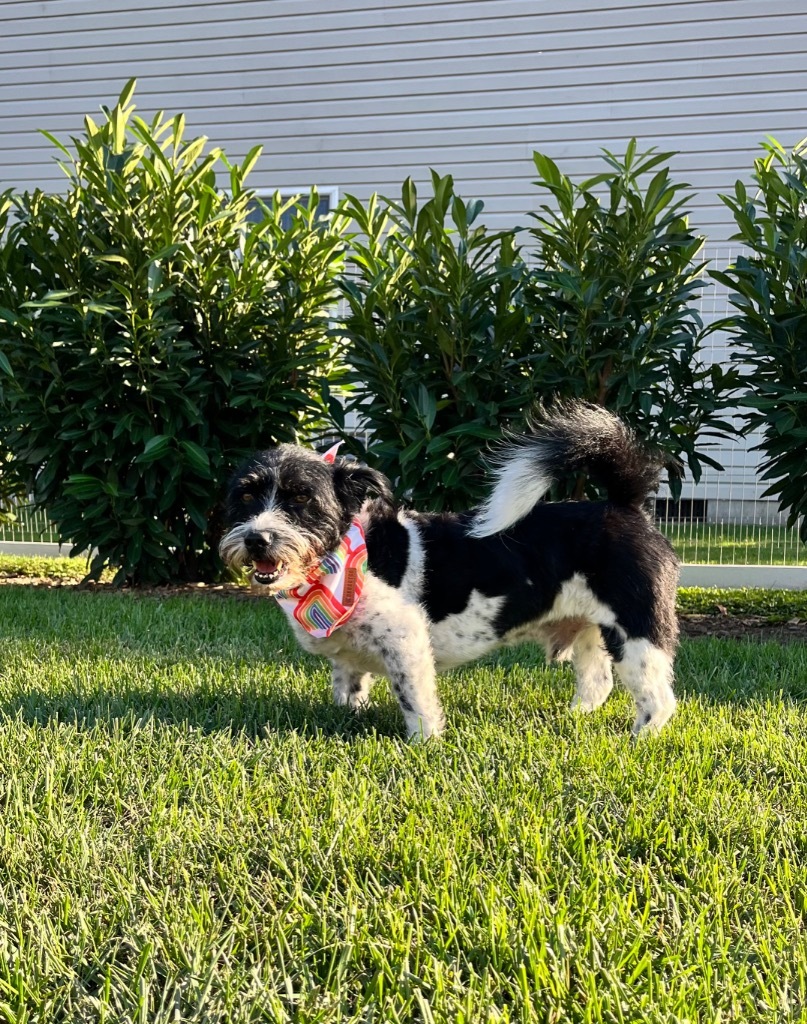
583,706
424,731
650,721
359,703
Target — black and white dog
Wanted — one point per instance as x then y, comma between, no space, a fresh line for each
591,581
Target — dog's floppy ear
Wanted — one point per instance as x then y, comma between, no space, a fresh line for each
355,483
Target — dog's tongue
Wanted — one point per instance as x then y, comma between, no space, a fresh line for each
265,567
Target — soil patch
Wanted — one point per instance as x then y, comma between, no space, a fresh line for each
743,627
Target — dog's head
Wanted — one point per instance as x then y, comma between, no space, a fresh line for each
287,508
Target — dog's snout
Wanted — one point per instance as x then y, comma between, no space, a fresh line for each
257,544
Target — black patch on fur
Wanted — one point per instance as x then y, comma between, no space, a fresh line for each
626,563
575,437
613,641
387,545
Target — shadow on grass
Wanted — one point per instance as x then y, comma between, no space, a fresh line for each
151,637
253,715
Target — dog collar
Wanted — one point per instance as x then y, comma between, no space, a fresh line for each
329,596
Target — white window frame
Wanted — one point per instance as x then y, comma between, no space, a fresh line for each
331,191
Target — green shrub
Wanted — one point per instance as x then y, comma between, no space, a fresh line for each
768,286
454,338
12,485
155,331
614,306
12,488
437,337
43,567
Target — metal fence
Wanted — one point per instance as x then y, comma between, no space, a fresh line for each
716,524
27,527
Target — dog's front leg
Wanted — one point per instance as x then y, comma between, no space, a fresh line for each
396,633
351,687
414,684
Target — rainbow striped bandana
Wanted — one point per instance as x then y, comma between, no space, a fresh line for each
329,597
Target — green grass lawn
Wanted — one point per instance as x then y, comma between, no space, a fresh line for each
192,832
726,544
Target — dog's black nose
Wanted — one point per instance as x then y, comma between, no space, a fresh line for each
256,544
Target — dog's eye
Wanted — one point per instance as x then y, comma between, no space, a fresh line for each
247,498
301,499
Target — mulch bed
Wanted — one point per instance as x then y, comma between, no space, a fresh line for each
732,627
743,627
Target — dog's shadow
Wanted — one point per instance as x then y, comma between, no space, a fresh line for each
258,713
240,703
109,685
256,707
250,712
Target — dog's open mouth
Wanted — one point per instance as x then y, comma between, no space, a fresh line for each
267,572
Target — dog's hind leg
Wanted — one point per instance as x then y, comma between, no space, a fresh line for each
351,687
647,672
592,666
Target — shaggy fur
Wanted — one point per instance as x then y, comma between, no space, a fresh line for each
593,582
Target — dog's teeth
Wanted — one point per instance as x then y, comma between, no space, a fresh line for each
265,578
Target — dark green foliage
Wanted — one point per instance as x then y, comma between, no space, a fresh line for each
614,305
768,286
12,486
151,334
438,342
454,338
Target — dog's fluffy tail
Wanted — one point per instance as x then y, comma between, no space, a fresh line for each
571,438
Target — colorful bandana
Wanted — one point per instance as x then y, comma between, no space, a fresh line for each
329,597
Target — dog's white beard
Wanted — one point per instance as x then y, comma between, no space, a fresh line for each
297,551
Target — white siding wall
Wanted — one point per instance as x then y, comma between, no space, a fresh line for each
359,94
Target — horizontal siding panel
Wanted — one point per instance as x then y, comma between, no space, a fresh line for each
513,173
533,134
473,21
285,24
18,13
760,47
141,44
323,102
715,75
12,10
577,156
514,165
319,122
